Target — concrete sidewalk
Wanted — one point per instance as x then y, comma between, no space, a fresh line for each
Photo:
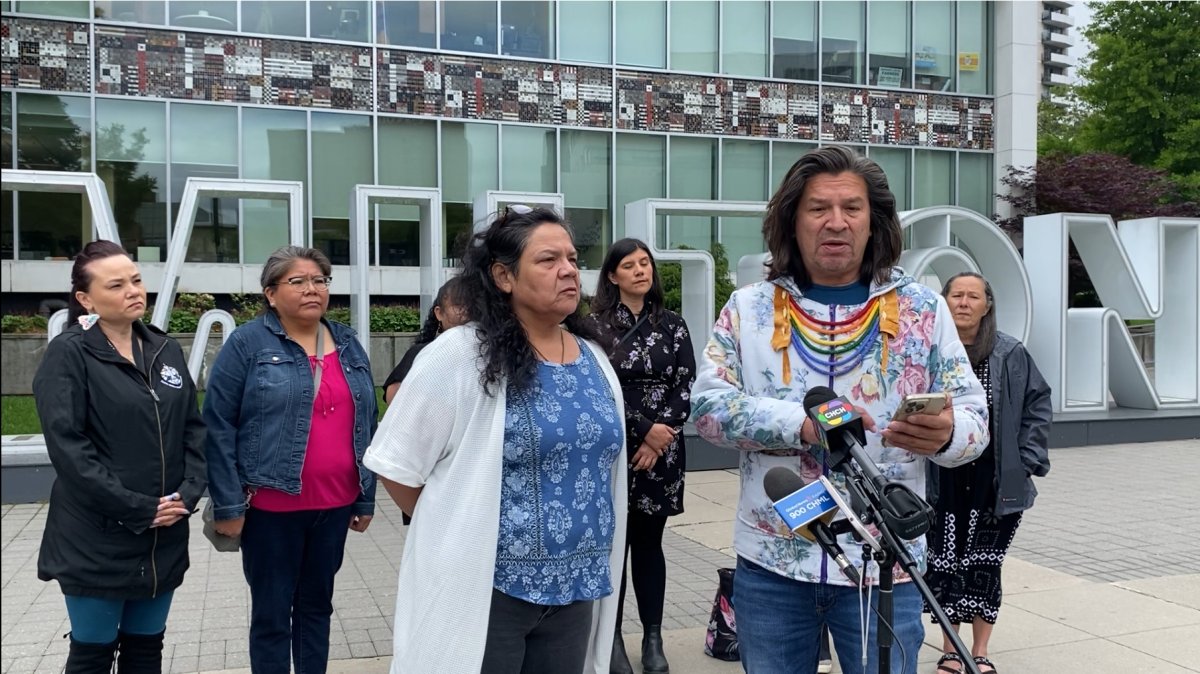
1090,585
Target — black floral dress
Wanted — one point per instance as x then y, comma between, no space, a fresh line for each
656,367
968,541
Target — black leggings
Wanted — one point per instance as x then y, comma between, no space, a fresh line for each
643,540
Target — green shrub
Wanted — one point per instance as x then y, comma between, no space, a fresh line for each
383,318
22,324
185,315
339,314
245,306
671,275
189,307
395,319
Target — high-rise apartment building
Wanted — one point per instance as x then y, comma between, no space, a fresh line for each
1057,38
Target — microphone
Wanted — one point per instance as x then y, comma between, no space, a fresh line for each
840,430
807,510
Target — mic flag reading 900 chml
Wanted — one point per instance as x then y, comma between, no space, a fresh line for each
807,510
798,504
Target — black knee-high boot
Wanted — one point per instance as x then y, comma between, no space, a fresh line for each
85,658
140,653
620,659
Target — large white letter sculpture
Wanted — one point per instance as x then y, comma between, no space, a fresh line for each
1087,353
697,265
947,240
104,225
289,190
362,200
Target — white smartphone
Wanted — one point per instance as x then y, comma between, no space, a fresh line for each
920,403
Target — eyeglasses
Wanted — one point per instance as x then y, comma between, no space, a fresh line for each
319,283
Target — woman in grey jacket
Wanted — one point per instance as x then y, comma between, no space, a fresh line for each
979,505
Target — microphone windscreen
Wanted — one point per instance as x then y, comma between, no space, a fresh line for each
779,482
818,395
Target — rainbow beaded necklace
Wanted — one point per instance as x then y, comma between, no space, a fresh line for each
833,348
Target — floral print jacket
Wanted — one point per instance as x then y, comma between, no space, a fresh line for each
740,401
657,368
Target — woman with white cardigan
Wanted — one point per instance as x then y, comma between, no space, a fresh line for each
506,444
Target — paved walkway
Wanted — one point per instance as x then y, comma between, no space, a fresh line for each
1103,577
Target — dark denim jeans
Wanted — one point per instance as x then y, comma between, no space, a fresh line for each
779,623
290,560
527,638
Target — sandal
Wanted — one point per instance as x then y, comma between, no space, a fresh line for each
949,657
982,661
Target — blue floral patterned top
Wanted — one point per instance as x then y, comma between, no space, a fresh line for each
561,437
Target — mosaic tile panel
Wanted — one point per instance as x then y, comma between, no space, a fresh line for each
906,118
134,61
470,87
716,105
198,66
49,55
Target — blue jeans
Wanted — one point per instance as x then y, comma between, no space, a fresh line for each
290,560
779,623
96,621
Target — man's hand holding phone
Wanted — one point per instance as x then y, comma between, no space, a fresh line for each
922,424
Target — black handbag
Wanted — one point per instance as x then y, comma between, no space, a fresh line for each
721,641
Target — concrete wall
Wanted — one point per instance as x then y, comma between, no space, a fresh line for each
20,356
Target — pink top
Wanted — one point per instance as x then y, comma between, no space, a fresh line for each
329,478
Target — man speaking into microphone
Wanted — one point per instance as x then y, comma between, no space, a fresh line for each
836,312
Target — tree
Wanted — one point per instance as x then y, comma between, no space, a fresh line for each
1090,183
1058,125
131,188
671,275
1143,84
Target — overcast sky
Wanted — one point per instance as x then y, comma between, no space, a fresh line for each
1083,16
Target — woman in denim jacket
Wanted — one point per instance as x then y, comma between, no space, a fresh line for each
284,464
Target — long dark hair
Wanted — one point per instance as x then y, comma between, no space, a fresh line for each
450,294
985,338
81,278
779,225
608,295
503,342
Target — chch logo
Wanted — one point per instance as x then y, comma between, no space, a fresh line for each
835,412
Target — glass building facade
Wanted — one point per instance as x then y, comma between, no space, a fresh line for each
603,102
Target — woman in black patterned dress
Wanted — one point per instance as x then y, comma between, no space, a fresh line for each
979,505
651,350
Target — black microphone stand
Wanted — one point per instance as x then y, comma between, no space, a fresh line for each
886,504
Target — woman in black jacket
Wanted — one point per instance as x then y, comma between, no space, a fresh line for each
126,440
979,504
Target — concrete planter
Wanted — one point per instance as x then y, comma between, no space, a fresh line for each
20,356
